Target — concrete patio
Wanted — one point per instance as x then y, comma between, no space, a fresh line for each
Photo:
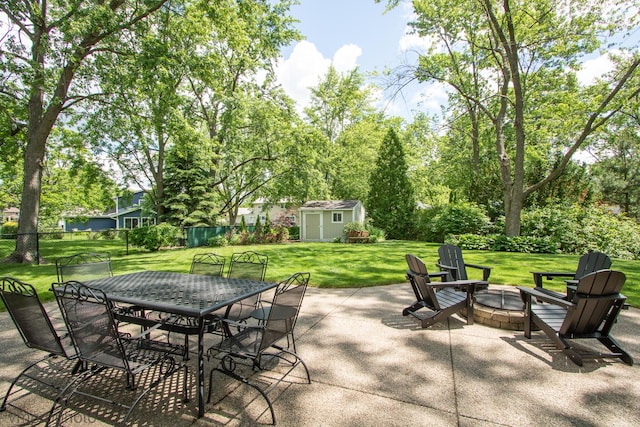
370,366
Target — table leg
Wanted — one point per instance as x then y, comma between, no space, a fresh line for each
200,367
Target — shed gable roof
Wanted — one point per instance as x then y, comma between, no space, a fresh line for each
330,204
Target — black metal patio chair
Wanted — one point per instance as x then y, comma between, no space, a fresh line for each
38,332
208,264
98,342
251,343
83,267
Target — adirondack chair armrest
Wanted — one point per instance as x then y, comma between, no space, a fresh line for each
451,271
486,271
468,285
538,275
440,274
527,293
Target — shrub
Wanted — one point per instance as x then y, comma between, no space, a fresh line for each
154,237
463,218
376,234
109,234
294,232
500,242
233,237
9,230
217,241
578,230
54,234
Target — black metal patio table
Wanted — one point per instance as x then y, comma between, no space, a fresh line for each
188,295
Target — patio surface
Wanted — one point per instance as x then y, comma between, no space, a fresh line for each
370,366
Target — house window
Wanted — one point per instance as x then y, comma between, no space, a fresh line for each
336,217
134,222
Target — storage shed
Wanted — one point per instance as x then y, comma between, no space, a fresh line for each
324,220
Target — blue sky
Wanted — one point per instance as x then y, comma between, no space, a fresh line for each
350,33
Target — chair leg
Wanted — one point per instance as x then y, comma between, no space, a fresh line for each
244,381
612,345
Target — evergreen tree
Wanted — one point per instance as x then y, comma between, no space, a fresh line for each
391,201
189,200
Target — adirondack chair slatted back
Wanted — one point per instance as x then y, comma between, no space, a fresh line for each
426,292
416,265
452,256
597,300
593,261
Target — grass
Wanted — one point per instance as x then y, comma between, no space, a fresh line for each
331,265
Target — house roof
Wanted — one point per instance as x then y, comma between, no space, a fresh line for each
330,204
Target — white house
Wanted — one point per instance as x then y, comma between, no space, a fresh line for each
324,220
279,213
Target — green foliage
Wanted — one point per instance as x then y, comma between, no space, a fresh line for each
578,230
391,202
243,225
217,242
154,237
376,234
437,223
353,226
188,197
9,227
294,232
502,243
109,234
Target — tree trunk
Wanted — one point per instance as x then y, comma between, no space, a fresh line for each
27,240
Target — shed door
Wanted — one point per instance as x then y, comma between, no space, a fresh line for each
313,226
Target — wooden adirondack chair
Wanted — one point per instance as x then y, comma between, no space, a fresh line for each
450,260
588,263
591,313
442,298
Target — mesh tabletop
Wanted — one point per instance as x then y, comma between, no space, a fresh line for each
179,293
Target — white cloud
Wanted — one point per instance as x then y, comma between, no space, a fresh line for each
306,65
412,41
593,69
346,58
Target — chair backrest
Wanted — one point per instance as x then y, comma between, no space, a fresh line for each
248,265
90,323
424,293
592,261
416,265
597,299
207,264
83,266
287,299
30,316
451,255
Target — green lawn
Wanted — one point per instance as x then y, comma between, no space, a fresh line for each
331,265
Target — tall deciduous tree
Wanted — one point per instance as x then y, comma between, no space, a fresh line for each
49,43
513,63
391,202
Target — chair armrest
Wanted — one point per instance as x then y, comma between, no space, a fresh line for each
469,285
538,275
544,296
486,271
440,274
450,270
